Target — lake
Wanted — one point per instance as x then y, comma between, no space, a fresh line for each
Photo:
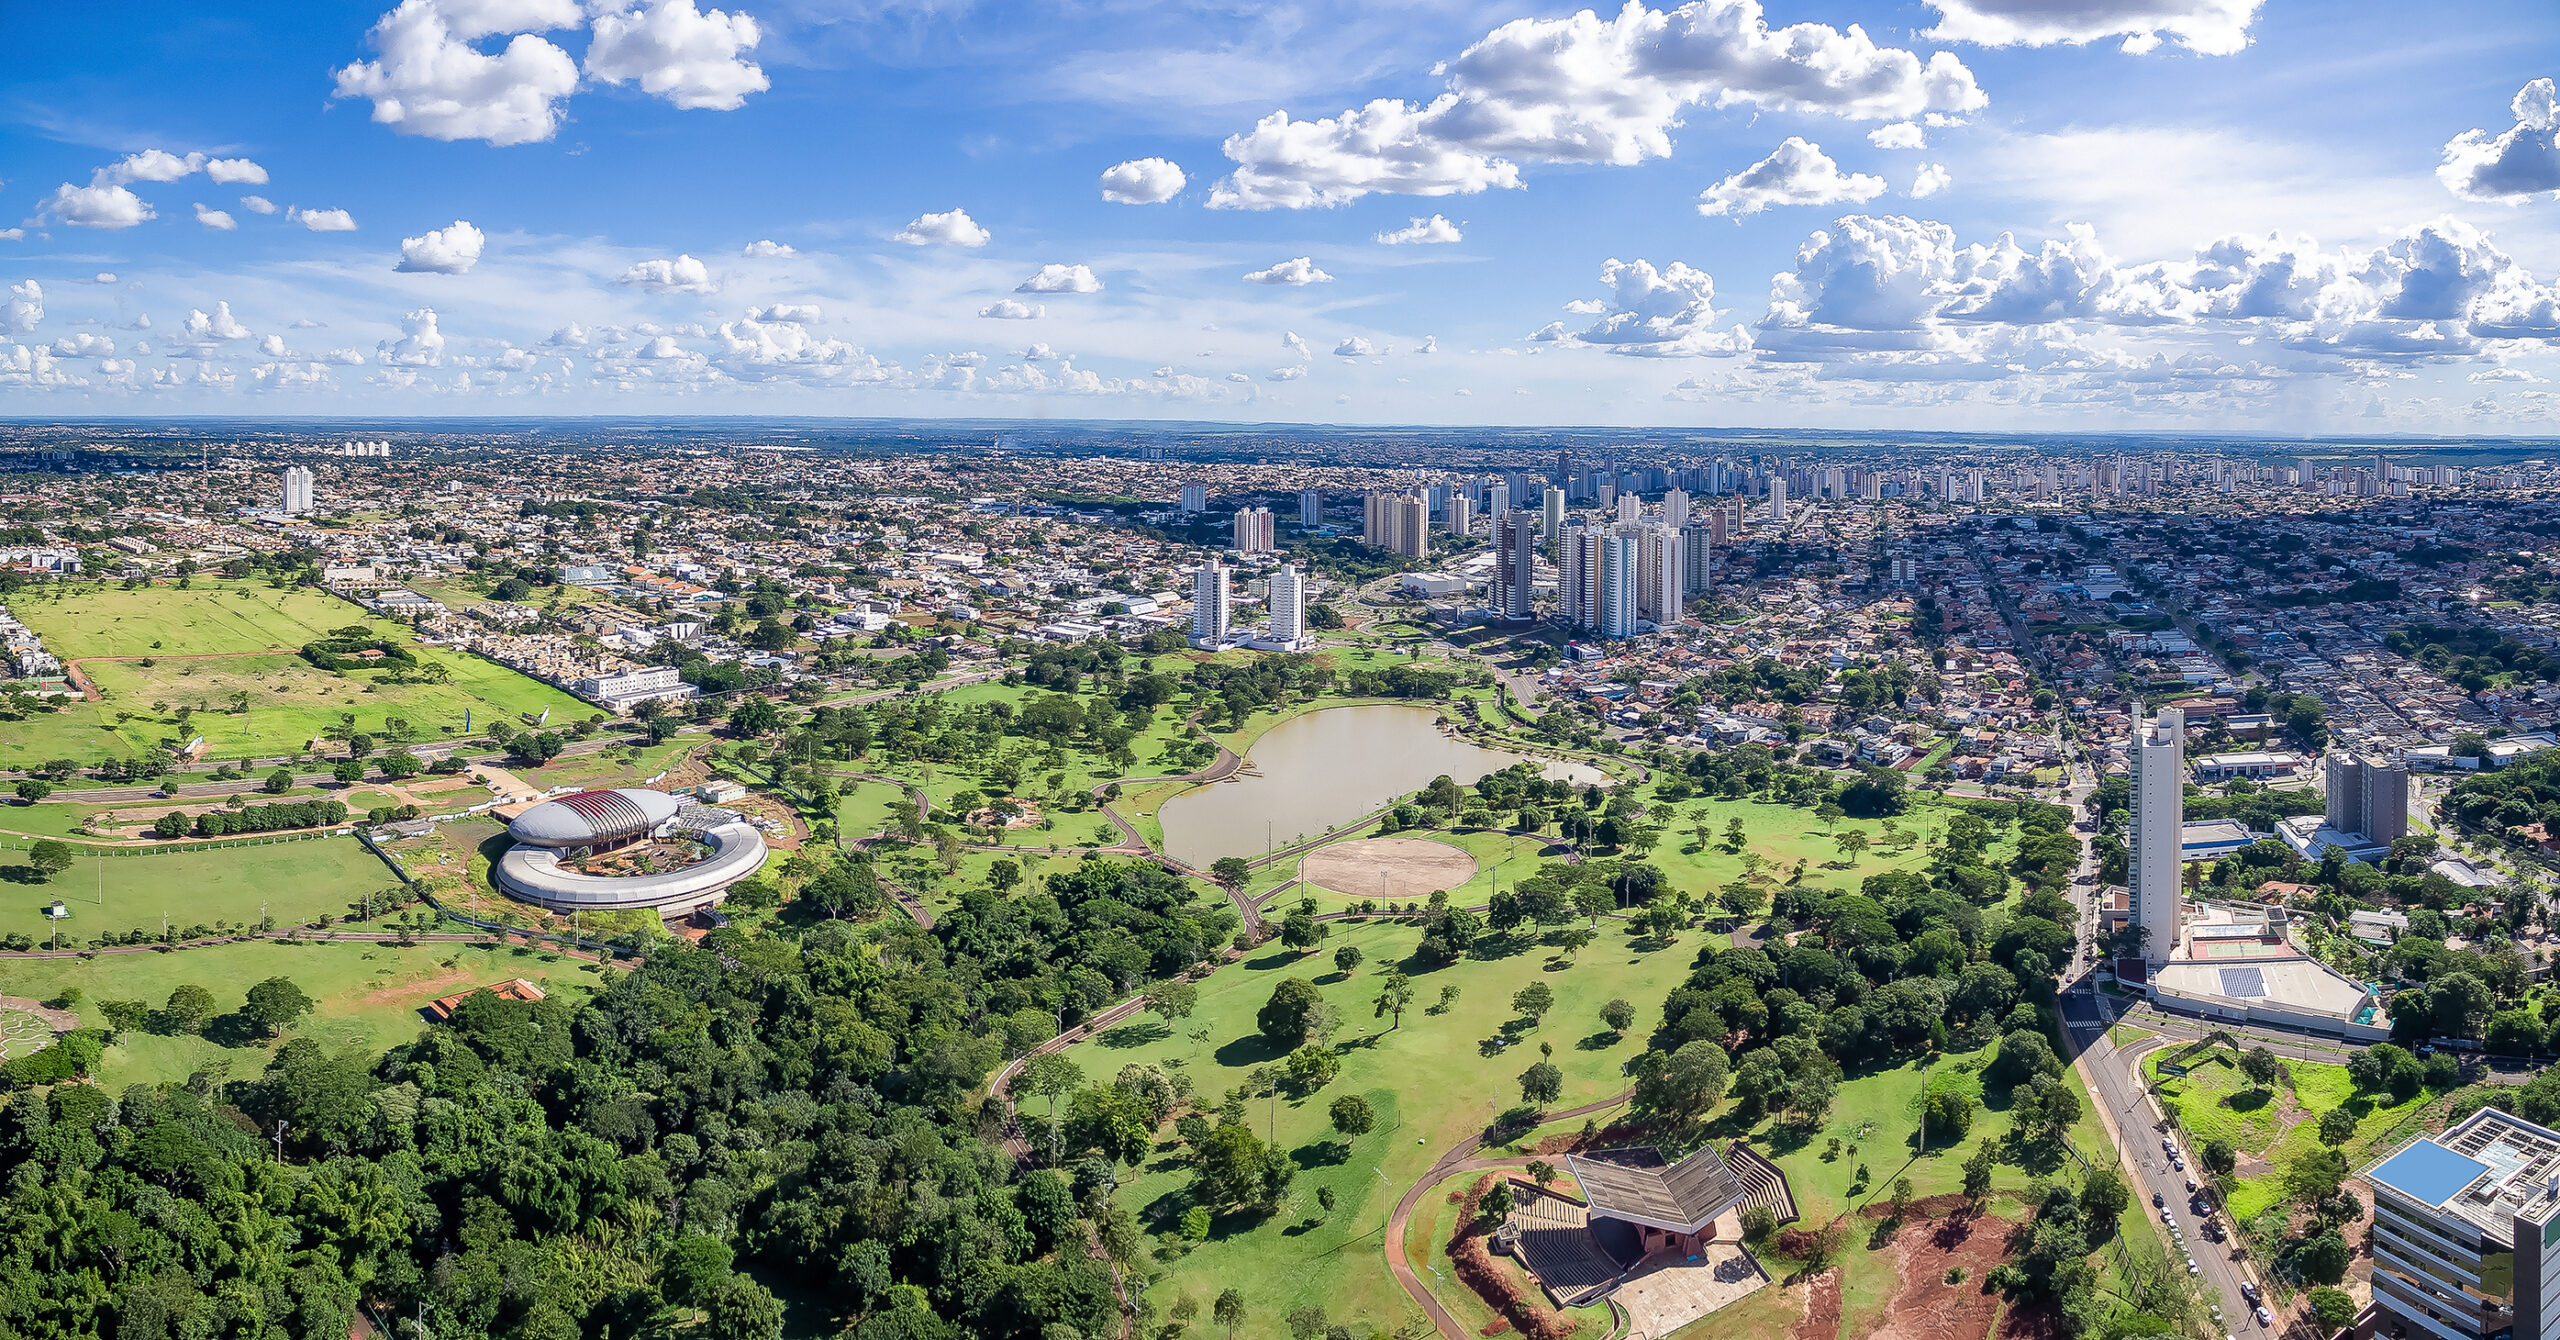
1325,769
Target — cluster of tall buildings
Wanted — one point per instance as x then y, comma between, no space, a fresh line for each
1213,624
296,499
1399,523
1255,533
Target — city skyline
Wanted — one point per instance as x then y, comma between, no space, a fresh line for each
2201,215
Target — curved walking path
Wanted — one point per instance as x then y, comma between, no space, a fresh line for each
1458,1161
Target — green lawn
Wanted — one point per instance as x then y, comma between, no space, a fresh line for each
1783,835
218,640
293,880
1436,1080
2216,1102
367,995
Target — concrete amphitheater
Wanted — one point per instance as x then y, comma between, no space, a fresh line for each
553,835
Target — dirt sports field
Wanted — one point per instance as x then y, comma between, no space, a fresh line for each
1924,1306
1389,869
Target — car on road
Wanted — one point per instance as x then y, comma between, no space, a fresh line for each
2158,1199
2166,1217
2191,1266
2249,1291
2265,1318
2191,1184
2168,1146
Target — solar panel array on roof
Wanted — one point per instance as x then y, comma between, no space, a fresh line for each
2244,982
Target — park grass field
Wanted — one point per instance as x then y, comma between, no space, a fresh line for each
1782,835
1445,1072
2270,1129
367,995
294,880
216,640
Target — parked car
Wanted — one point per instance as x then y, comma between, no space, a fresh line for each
2265,1318
2158,1199
2249,1291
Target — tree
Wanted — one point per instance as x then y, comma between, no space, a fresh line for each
1948,1116
1301,931
1496,1202
1532,1002
1347,958
2220,1157
1687,1082
348,770
1352,1116
2261,1067
1977,1176
693,1269
1230,871
2314,1175
1541,1084
1050,1075
2105,1195
1851,843
1172,999
189,1009
274,1003
2337,1126
745,1310
1283,1018
33,790
1228,1311
2323,1258
49,856
753,717
2332,1308
278,782
1395,991
1618,1015
1313,1066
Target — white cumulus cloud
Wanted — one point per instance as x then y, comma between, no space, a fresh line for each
1055,278
1931,179
420,345
1011,309
24,309
257,204
1289,340
1422,232
216,325
2206,27
219,220
677,52
1796,173
1899,135
951,228
1665,312
1288,374
432,80
152,165
1354,346
322,220
450,250
1296,272
1142,181
684,274
768,249
235,172
2516,164
1584,89
101,204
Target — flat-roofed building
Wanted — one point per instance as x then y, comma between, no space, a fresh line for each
2466,1232
2368,796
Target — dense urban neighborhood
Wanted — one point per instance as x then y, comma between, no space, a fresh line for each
900,886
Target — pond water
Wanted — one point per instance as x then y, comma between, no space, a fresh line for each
1325,769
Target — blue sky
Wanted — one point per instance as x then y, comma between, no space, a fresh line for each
2283,216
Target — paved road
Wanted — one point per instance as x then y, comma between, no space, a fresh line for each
2138,1127
1459,1160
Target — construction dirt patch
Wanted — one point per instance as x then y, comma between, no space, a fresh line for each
1388,869
1925,1306
1821,1310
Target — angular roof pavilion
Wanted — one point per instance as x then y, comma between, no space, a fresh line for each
1636,1185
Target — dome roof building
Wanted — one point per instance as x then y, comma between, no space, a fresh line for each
593,818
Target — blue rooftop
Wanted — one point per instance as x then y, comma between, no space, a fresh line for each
2428,1172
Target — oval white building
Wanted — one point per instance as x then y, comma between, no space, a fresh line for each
551,836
